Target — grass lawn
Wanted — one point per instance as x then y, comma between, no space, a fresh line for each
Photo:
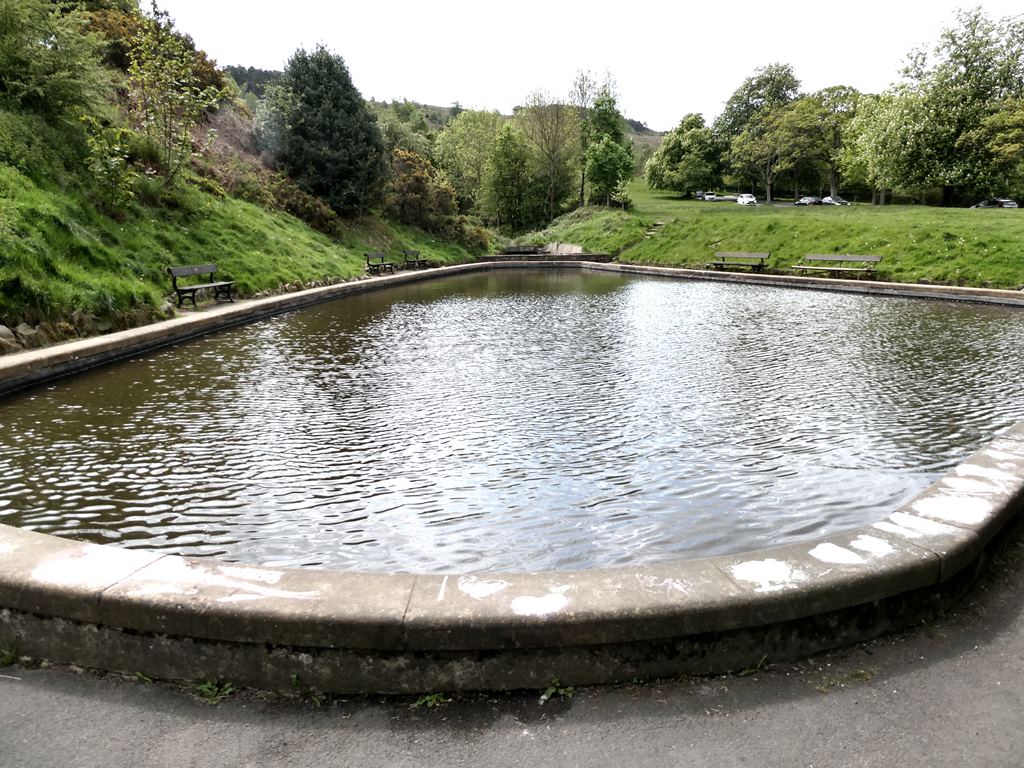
59,254
954,246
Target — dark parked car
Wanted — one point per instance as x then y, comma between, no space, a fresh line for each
808,201
996,202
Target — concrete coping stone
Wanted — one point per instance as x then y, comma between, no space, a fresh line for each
925,542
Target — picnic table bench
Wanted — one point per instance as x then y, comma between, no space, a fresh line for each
221,288
413,260
377,263
757,262
838,264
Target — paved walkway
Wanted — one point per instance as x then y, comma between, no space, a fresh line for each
950,693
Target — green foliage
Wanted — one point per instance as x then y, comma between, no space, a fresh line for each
49,65
765,148
418,196
605,119
404,126
271,190
253,80
767,90
513,197
551,132
924,133
326,138
609,164
688,159
557,690
38,148
462,149
109,165
818,126
1000,139
213,691
169,96
431,701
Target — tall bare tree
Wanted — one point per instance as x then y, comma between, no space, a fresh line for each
551,129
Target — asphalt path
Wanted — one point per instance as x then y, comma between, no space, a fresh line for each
948,693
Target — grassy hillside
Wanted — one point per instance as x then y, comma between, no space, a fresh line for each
60,254
944,245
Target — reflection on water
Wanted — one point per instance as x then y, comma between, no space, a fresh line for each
517,420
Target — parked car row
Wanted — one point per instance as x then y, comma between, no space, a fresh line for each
748,199
711,197
811,200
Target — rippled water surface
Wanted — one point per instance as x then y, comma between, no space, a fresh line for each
517,420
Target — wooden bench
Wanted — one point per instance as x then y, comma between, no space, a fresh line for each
413,260
377,263
521,249
221,288
838,264
757,262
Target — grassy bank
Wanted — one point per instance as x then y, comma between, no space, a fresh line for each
59,254
942,245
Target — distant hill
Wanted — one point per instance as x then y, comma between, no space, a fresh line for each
252,80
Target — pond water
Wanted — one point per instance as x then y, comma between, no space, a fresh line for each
517,420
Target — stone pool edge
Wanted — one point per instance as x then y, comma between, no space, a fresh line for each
24,369
186,618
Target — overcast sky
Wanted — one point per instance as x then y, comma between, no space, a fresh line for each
667,58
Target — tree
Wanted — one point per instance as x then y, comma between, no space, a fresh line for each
462,149
324,135
688,159
608,164
889,146
581,99
48,64
169,97
764,149
403,126
606,120
608,161
417,195
551,132
976,65
1000,137
512,196
768,89
822,120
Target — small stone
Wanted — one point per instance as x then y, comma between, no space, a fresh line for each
141,316
9,345
48,332
6,333
65,330
84,322
27,336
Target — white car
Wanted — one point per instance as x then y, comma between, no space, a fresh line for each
746,199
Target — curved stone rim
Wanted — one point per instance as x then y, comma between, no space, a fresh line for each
479,619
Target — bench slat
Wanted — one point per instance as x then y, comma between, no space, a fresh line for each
842,257
756,261
740,254
195,269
